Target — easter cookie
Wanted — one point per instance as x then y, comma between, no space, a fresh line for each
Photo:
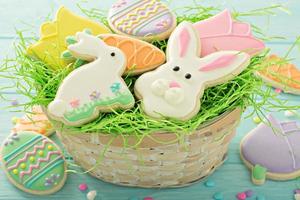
221,32
174,89
33,163
93,88
281,74
141,56
35,121
143,19
52,36
274,146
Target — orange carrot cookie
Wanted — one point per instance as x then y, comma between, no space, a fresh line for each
141,56
53,34
36,121
282,75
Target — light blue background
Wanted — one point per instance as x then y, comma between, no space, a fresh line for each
230,179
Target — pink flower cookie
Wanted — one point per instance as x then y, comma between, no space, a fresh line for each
174,89
221,32
143,19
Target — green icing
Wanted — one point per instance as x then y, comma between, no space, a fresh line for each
259,172
37,173
87,110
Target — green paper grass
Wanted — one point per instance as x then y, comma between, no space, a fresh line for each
39,83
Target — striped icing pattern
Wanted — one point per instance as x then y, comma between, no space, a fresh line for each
132,17
34,163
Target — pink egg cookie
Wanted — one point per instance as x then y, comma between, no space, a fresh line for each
33,163
143,19
221,32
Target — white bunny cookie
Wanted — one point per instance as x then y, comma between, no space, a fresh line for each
175,88
93,87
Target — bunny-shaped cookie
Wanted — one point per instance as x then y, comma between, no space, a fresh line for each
94,87
175,88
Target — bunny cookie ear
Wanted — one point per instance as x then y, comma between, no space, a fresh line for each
183,42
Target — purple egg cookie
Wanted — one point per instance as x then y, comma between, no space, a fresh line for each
144,19
275,147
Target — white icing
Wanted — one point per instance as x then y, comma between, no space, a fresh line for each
183,101
97,77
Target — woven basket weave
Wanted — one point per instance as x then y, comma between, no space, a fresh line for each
153,164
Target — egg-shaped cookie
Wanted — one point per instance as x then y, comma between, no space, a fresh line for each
33,163
141,56
143,19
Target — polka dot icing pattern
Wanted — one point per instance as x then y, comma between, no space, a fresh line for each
141,18
29,169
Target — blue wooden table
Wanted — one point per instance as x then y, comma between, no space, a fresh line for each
231,178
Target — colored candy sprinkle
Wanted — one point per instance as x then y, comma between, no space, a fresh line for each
83,187
256,120
15,171
289,113
50,147
32,159
23,165
260,197
249,193
14,102
148,198
278,90
209,183
241,196
218,196
41,153
91,195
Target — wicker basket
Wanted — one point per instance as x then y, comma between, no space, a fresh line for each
153,164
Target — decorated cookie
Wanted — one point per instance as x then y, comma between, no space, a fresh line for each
35,121
94,87
272,150
144,19
175,89
33,163
281,74
52,40
221,32
141,56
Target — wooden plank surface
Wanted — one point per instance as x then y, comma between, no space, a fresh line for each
231,178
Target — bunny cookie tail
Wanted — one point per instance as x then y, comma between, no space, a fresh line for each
57,108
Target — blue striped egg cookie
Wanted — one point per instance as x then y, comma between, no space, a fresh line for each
33,163
143,19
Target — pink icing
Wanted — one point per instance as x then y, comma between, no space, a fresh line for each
220,32
220,62
184,38
174,84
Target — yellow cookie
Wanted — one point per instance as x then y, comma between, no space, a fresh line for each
53,35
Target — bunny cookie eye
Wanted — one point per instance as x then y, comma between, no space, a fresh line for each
176,68
113,54
188,76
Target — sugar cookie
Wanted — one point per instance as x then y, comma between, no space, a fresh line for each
174,90
52,36
141,56
275,147
94,87
33,163
35,121
221,32
281,75
143,19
